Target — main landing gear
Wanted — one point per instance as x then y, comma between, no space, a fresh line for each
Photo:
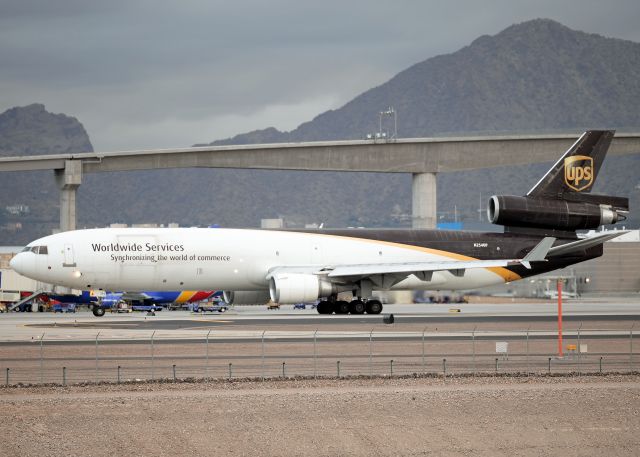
354,307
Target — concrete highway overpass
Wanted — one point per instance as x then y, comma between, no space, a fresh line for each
424,158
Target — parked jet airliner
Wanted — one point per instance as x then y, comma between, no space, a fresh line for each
291,266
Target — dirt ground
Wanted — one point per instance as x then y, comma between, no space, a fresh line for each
569,416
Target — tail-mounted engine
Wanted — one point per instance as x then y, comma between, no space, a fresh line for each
574,212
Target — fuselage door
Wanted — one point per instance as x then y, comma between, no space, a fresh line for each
69,258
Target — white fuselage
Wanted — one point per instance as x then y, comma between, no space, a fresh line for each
216,259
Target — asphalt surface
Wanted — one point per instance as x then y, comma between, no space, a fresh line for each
323,322
517,313
247,322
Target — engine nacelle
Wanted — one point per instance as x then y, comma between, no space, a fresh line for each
550,214
245,297
297,287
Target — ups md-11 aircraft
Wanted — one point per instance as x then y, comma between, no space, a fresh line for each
290,266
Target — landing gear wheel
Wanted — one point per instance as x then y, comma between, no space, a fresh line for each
374,307
98,311
357,307
342,307
324,307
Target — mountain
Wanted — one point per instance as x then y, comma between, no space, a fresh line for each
32,130
538,76
534,76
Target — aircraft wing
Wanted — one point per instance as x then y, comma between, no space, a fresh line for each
456,267
388,274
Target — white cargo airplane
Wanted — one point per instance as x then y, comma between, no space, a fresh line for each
291,266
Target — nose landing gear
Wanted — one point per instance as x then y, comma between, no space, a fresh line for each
98,311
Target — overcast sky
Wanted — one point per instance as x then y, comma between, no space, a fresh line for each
142,74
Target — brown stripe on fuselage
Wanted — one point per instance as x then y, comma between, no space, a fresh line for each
416,240
469,245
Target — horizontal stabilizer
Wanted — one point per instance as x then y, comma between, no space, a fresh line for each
586,243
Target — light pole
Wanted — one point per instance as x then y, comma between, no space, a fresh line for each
391,113
560,281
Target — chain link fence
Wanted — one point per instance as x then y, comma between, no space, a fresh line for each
267,355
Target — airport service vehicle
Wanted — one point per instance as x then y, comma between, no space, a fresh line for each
121,307
213,307
272,305
147,308
292,266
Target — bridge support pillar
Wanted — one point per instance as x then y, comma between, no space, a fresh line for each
68,180
424,186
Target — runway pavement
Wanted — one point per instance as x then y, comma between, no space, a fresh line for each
618,315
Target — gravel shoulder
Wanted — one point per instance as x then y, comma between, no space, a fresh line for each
350,417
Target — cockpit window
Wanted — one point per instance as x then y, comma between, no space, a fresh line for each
36,249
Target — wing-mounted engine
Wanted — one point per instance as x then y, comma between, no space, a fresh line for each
299,287
586,211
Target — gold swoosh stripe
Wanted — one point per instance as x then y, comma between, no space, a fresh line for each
506,274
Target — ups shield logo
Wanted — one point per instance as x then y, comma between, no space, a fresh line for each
578,172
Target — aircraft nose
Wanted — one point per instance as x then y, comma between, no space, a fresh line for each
22,264
16,263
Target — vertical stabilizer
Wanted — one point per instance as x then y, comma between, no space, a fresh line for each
562,202
577,169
